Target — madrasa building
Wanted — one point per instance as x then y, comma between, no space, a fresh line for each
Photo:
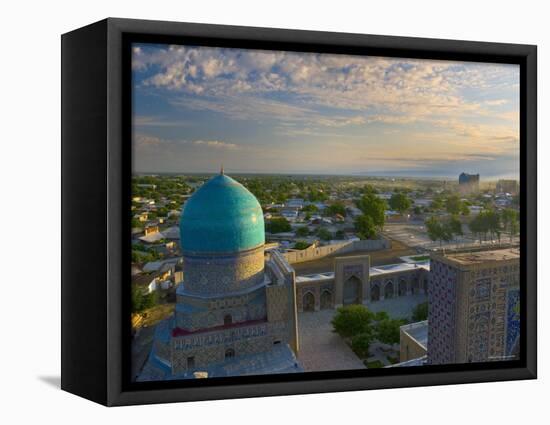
235,309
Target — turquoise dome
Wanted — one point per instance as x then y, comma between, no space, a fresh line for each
222,216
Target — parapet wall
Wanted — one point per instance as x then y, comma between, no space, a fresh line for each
315,252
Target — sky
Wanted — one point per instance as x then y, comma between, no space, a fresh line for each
259,111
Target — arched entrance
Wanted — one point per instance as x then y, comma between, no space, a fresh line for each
352,290
402,287
227,320
375,293
415,285
326,299
388,290
229,353
308,302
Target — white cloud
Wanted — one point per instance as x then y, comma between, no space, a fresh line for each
144,142
455,105
216,144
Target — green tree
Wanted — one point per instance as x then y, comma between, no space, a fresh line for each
420,312
302,231
514,229
454,226
510,222
381,315
310,208
373,207
437,203
387,331
336,208
352,320
369,189
453,205
360,344
317,196
301,245
278,225
400,202
142,301
364,225
434,228
438,231
478,226
340,235
324,234
493,223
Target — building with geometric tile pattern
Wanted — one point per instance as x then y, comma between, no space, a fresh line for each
235,310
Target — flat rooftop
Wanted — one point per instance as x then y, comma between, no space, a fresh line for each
399,267
418,331
374,271
469,258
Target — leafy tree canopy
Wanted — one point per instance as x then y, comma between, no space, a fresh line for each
374,207
400,202
278,225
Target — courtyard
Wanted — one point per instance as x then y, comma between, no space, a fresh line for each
321,349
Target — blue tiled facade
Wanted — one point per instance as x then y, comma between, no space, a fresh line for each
228,318
512,322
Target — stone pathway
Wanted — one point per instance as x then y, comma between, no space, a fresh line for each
379,351
320,348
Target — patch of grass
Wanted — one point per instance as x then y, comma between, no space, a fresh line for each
374,364
420,258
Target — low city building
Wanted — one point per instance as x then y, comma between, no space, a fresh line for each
413,341
355,282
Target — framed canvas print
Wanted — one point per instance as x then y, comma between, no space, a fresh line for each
252,212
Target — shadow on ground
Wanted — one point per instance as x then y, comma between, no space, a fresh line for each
54,381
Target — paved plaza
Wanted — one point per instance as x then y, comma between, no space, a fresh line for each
399,307
414,235
322,349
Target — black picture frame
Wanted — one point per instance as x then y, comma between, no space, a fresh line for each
96,170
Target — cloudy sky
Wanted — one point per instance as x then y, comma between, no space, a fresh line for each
195,108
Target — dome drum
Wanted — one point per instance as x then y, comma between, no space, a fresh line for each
223,274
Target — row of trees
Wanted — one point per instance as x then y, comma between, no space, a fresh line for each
494,223
443,230
487,223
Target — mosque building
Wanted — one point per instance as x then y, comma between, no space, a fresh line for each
236,308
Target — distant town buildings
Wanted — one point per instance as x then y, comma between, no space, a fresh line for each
468,183
508,186
474,307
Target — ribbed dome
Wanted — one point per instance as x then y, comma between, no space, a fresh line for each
221,216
